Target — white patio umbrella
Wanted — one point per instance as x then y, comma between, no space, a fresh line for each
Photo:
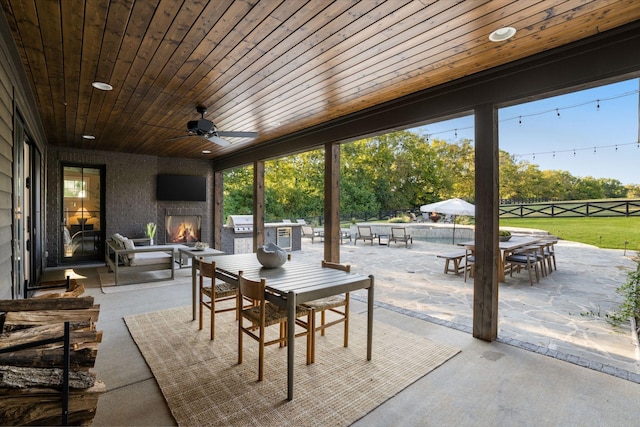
453,207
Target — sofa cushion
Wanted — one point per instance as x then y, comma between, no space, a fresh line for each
128,244
152,258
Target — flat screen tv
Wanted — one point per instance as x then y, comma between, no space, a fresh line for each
184,188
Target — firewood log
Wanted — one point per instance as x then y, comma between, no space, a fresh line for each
41,406
81,358
47,317
18,377
48,332
38,304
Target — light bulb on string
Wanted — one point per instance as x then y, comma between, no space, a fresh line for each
574,152
554,154
598,105
594,150
534,156
520,120
456,133
558,112
616,148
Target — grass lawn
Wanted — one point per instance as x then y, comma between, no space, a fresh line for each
610,232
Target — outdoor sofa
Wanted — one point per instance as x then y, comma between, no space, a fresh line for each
122,256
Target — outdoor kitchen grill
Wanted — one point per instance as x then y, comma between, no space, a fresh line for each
241,223
237,235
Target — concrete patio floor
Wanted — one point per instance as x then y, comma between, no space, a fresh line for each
552,364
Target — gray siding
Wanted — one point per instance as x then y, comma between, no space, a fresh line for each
6,174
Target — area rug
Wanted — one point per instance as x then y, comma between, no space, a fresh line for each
204,385
142,280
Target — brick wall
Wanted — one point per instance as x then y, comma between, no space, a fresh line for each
130,198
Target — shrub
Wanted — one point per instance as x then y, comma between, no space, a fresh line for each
630,306
400,219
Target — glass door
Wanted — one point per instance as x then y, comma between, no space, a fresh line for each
82,213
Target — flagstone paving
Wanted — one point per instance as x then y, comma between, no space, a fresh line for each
563,316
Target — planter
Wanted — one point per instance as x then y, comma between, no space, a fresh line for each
504,238
435,218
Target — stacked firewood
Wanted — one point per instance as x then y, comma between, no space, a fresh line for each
33,390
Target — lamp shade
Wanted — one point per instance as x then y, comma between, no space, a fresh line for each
83,213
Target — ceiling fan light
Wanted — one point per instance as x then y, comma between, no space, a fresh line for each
502,34
102,86
88,136
206,151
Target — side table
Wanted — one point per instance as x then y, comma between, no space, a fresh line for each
185,254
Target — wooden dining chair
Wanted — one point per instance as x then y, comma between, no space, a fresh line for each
216,292
263,314
524,258
338,304
469,261
549,252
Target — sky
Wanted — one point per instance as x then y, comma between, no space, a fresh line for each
588,133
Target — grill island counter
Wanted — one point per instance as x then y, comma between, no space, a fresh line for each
237,235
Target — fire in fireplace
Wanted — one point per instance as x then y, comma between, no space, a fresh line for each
183,228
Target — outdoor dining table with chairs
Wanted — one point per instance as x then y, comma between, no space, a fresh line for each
293,284
528,252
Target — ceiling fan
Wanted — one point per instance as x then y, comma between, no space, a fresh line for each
208,130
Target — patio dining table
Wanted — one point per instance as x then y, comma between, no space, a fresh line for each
506,248
295,283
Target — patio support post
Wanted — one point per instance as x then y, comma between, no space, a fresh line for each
332,202
258,204
218,209
485,283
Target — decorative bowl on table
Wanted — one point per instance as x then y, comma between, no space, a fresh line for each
504,235
200,246
271,255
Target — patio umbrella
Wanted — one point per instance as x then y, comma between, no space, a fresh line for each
453,207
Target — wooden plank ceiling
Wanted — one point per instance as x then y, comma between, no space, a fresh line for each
269,66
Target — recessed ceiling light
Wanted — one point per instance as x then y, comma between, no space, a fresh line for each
88,137
502,34
206,151
102,86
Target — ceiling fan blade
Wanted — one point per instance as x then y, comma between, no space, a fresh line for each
221,142
179,137
231,134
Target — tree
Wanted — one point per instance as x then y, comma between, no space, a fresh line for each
238,191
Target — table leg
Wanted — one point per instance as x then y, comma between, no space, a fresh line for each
291,337
501,264
370,319
194,303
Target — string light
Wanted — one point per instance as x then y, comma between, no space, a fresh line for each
575,150
557,111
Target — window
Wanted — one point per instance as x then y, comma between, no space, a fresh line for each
75,188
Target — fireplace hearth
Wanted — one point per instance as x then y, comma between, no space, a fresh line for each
183,228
